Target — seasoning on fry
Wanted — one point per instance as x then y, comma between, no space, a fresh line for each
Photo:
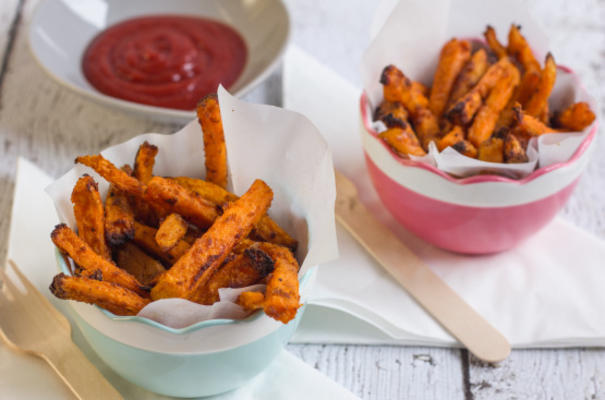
209,116
144,162
113,175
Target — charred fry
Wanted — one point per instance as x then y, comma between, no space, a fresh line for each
107,295
144,162
575,117
393,114
455,135
470,75
209,116
466,148
119,217
171,230
513,150
66,240
177,199
193,269
402,141
529,125
90,216
113,175
452,59
136,262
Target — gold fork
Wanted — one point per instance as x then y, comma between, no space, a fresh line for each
29,323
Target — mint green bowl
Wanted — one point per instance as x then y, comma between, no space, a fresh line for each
182,373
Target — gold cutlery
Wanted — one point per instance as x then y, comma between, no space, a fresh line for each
432,293
29,323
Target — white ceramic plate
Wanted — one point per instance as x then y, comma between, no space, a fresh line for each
60,31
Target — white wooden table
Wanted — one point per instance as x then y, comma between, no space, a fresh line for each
49,125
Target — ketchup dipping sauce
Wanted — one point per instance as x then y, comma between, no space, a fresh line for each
167,61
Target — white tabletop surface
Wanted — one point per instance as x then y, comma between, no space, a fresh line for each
48,124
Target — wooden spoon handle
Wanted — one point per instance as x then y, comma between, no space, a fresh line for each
432,293
79,374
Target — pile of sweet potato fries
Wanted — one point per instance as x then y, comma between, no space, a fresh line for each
486,102
159,237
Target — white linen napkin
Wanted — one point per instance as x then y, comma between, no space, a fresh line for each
26,377
547,292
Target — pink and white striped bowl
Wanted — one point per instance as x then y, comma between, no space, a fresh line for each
476,215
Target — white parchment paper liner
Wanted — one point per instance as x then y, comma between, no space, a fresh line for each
412,37
281,147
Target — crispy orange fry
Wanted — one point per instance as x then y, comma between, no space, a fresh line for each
140,265
107,295
491,150
251,300
90,216
119,217
144,162
398,88
191,272
575,117
391,113
519,48
266,230
463,110
493,42
177,199
470,75
529,125
113,175
454,55
455,135
539,99
172,229
485,120
402,141
66,240
513,150
144,236
281,299
239,270
466,148
426,125
209,116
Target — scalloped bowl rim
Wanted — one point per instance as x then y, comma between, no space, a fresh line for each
177,331
364,103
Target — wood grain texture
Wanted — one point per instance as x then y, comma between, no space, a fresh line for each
389,372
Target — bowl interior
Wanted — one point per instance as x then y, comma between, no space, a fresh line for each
58,46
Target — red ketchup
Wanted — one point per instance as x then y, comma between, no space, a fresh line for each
165,61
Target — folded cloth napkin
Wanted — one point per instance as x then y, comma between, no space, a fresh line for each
26,377
548,292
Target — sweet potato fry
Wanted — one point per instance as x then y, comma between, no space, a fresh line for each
209,116
491,150
144,162
426,126
393,114
113,175
539,99
266,230
493,42
177,199
171,230
251,301
513,150
575,117
403,141
463,110
470,75
135,261
239,270
398,88
529,125
452,59
144,236
107,295
466,148
519,48
191,272
281,299
455,135
66,240
90,216
485,120
119,217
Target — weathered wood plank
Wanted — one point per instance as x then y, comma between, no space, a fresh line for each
541,375
389,372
